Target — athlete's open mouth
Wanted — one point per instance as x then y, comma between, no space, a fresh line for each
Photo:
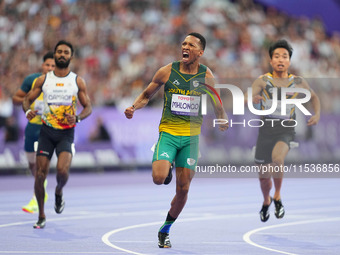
185,55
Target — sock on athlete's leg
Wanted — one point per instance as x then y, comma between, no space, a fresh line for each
165,228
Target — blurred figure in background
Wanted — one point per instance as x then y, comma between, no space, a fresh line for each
12,130
100,132
7,121
33,126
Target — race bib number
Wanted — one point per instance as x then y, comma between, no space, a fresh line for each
59,97
185,105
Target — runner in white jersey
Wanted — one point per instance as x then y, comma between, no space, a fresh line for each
62,89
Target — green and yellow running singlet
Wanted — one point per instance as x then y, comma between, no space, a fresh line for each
182,104
37,105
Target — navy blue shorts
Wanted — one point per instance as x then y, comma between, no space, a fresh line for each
32,132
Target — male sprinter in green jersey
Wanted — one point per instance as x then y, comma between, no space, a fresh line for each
33,127
178,132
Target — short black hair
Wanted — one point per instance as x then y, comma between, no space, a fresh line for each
66,43
280,44
48,55
199,36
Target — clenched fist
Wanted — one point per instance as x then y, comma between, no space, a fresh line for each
129,112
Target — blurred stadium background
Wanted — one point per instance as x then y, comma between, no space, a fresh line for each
119,46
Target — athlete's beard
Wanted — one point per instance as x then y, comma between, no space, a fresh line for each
62,64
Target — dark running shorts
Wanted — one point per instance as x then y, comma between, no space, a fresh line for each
265,146
51,139
267,138
32,132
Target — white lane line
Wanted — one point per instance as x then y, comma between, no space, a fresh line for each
207,217
128,241
106,236
247,239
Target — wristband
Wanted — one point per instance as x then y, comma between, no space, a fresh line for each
77,119
27,112
133,106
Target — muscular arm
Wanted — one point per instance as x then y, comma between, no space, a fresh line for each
26,86
31,96
218,107
84,101
19,96
161,76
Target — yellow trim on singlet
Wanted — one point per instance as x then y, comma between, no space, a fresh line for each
165,103
289,84
266,93
294,96
37,118
184,78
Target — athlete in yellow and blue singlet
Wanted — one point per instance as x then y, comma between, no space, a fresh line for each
33,126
